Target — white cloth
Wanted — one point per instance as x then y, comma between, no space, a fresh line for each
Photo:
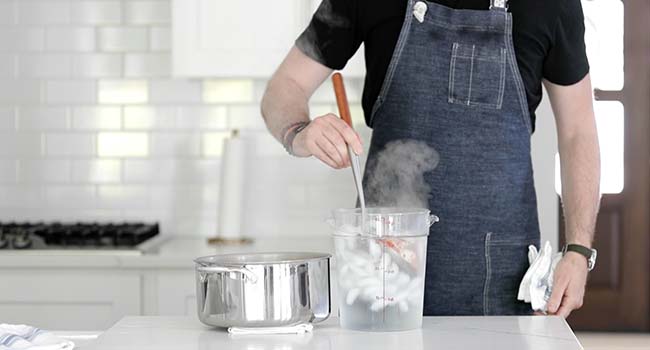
537,284
297,329
22,337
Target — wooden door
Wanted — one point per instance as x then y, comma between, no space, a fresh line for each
618,290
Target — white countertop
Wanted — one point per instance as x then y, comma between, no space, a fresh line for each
498,332
169,252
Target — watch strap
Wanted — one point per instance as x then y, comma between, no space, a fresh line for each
588,253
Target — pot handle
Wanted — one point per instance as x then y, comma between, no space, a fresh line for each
247,274
433,219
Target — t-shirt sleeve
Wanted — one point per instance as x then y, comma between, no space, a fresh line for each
566,62
332,37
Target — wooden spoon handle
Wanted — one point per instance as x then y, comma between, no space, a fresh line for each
341,98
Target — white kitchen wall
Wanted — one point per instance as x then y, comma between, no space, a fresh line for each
93,127
544,148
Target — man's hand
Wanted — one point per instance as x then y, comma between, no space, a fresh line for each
569,283
327,138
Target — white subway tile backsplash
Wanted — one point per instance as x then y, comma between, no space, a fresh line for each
67,144
187,200
97,171
71,197
203,117
148,12
71,91
160,38
45,65
170,144
22,39
123,91
213,143
96,12
123,39
265,145
97,65
147,65
7,65
20,144
122,144
146,117
171,171
7,171
175,91
44,170
246,117
98,118
43,12
114,196
20,91
21,197
42,118
94,126
228,91
7,118
7,12
70,39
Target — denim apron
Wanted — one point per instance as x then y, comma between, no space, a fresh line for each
453,82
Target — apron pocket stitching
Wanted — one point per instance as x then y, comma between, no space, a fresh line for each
474,56
452,70
502,86
488,273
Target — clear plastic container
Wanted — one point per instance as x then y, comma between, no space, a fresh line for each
380,265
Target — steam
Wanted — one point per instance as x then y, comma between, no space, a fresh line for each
396,176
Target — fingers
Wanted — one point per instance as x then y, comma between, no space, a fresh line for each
337,140
559,287
327,150
327,138
569,303
564,311
349,135
322,155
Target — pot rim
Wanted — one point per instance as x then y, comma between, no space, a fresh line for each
261,258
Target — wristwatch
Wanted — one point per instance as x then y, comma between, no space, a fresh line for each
588,253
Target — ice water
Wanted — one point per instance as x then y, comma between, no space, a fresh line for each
379,290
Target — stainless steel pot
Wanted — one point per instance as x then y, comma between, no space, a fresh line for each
263,290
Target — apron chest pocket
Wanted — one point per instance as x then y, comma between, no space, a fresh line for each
477,75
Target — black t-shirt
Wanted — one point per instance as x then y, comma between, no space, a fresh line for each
548,37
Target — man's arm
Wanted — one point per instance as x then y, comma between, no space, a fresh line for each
285,103
580,164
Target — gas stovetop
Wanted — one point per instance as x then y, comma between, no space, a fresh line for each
74,236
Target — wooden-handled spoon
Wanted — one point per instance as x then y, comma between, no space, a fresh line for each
344,111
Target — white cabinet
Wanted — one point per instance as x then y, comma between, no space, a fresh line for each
176,293
68,299
225,38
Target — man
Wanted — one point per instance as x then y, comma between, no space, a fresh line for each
465,77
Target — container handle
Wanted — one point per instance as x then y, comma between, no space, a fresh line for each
433,219
247,274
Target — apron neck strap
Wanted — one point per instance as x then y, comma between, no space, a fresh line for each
498,4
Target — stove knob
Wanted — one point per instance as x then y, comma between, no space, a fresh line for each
22,240
4,242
